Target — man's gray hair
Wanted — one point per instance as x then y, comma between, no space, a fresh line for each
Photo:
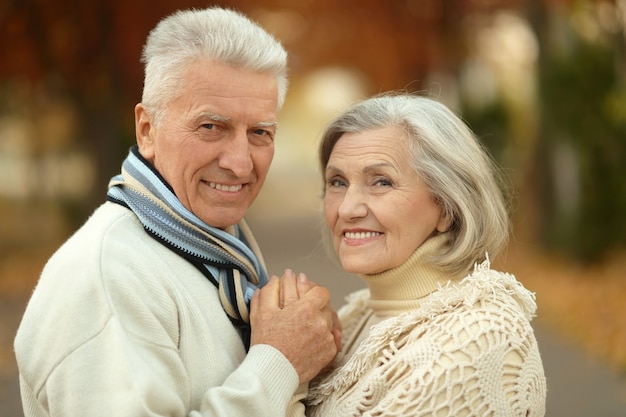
215,34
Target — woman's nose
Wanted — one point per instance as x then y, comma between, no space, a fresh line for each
353,205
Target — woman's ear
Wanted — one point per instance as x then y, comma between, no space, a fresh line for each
445,222
144,131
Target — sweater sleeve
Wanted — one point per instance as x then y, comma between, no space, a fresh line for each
255,389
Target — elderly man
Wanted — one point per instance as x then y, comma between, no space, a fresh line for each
145,310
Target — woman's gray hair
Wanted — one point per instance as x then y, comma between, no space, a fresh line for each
216,34
450,159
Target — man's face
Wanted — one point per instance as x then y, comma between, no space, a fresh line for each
215,142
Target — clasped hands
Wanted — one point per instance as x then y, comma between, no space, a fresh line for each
294,315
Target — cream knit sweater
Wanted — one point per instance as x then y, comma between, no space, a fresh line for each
419,344
121,326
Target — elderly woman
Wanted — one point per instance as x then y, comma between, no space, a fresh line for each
413,207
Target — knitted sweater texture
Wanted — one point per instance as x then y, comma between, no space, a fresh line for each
119,325
419,344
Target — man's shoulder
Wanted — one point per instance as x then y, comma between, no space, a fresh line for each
110,218
108,222
110,248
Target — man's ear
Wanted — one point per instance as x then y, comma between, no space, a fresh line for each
144,131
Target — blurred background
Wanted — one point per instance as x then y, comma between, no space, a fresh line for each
541,82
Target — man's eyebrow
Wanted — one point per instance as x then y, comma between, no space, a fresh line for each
223,119
211,116
267,124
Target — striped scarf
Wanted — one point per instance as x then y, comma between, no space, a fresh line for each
231,259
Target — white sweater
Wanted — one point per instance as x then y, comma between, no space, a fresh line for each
419,344
119,325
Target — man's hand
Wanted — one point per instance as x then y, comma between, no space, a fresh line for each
301,326
293,288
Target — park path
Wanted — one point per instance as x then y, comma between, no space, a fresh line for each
578,386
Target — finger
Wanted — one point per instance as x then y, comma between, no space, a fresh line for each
336,330
319,296
281,295
272,278
303,284
289,289
338,341
269,295
254,303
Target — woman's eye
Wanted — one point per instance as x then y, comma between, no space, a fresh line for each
335,182
383,182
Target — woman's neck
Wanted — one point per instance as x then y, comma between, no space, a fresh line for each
400,289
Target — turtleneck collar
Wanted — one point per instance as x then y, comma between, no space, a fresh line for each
400,289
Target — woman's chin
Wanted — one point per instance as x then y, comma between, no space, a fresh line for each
359,268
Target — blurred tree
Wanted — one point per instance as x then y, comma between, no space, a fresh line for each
572,180
87,53
582,160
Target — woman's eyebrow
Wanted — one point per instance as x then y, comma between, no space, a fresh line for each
379,165
331,169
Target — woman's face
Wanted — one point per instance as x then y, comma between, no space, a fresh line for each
377,208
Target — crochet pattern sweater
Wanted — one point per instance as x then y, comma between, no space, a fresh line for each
419,344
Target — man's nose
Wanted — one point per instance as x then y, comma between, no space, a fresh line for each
236,156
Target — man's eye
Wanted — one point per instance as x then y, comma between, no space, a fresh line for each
262,136
209,126
261,132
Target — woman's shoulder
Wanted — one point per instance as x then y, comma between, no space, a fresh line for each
486,300
487,288
482,288
487,308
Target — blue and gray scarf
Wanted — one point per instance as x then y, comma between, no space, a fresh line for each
231,259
